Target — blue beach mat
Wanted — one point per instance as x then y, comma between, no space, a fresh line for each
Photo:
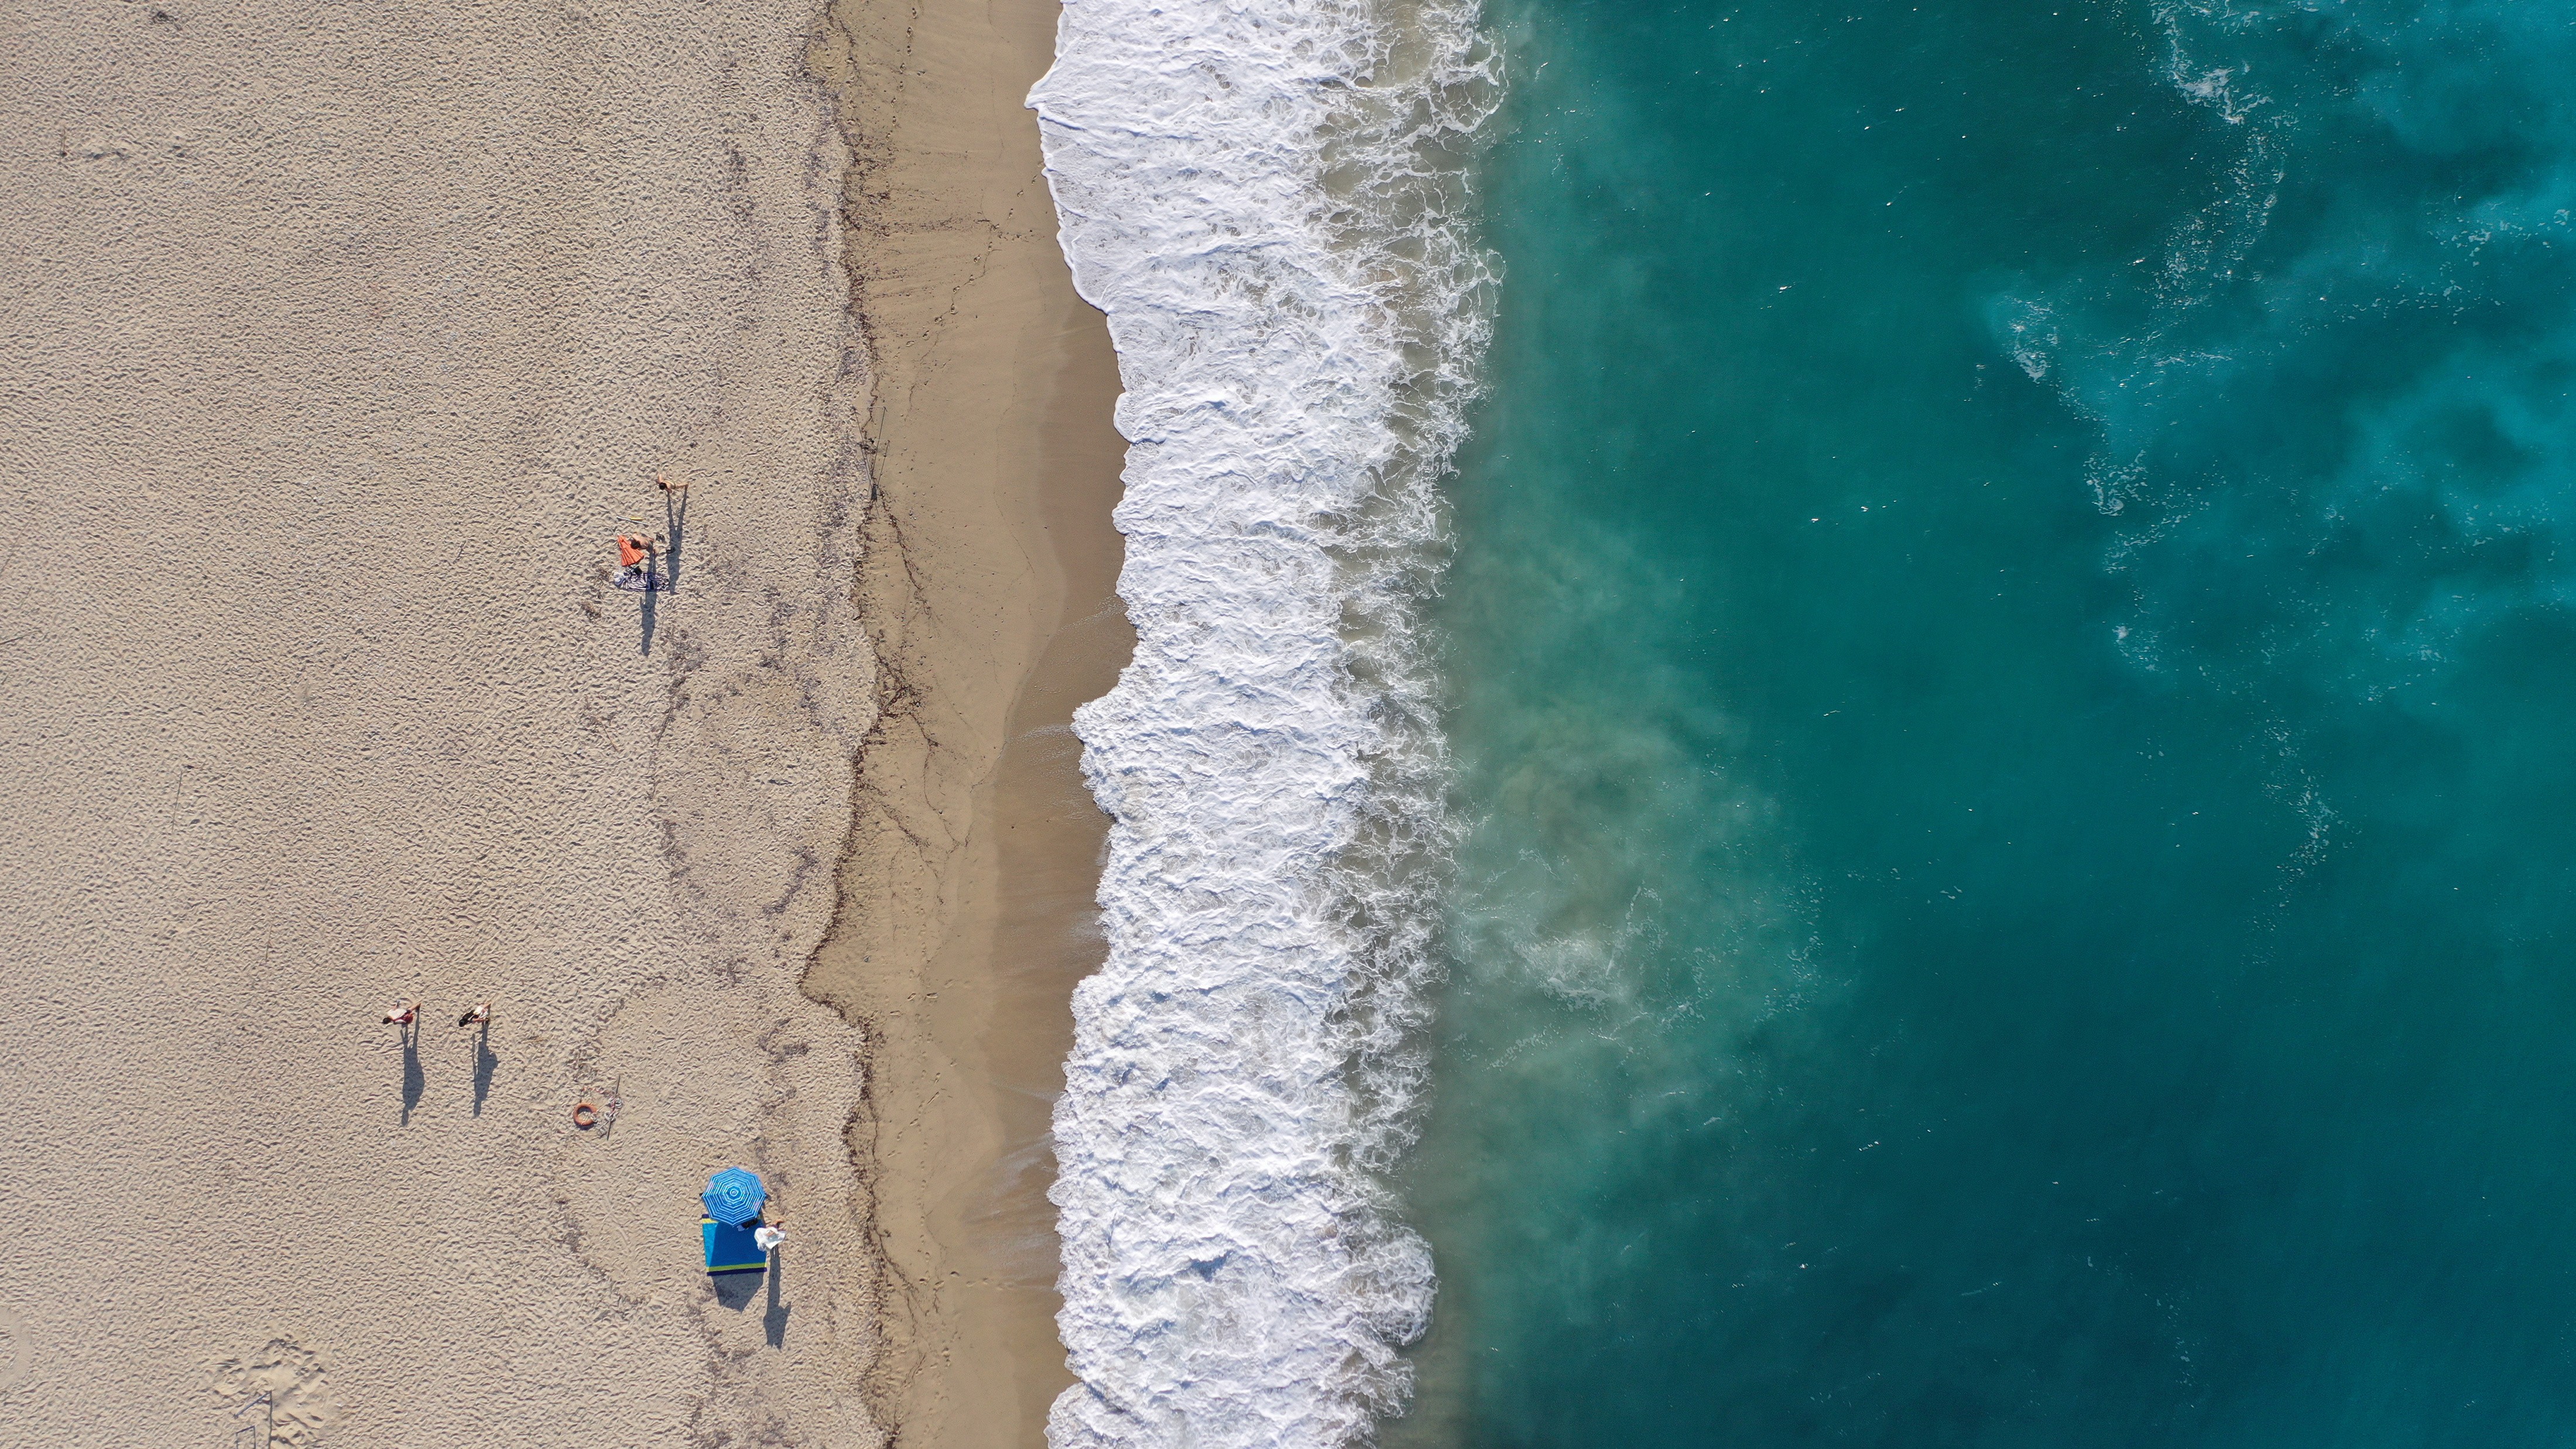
730,1248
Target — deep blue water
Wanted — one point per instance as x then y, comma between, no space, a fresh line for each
2014,683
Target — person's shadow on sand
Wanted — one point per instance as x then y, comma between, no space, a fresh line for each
662,572
485,1064
675,526
774,1322
414,1080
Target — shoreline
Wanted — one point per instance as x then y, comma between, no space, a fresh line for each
1300,304
988,582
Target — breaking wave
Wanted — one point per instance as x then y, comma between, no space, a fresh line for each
1268,199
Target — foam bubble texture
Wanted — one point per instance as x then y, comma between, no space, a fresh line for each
1265,197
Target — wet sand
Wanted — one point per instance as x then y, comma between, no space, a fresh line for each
967,908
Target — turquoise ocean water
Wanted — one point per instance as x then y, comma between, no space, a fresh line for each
2013,678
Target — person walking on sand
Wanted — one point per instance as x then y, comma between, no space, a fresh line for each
403,1015
477,1016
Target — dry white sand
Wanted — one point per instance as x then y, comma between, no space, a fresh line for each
335,342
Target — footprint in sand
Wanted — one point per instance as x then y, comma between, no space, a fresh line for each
282,1387
14,1349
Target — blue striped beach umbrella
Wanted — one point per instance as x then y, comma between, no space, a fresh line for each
734,1196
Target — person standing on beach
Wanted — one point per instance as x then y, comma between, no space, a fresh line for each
477,1016
403,1015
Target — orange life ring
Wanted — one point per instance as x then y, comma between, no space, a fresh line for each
584,1115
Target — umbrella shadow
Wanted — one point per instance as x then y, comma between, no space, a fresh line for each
774,1322
736,1290
485,1064
415,1081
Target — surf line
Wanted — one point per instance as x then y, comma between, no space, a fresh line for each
1295,357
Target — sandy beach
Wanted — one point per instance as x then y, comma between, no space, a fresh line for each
339,346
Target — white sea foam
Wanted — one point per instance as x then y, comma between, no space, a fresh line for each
1266,198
